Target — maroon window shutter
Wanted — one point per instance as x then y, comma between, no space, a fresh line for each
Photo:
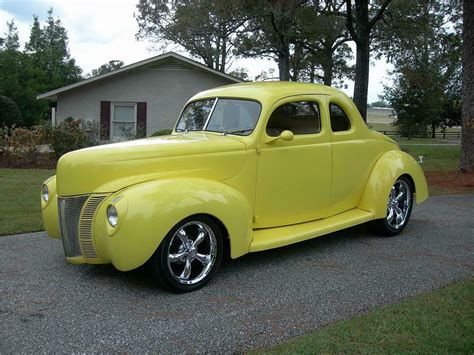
105,120
141,118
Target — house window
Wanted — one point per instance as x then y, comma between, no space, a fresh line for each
124,119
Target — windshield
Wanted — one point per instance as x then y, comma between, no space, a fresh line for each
232,116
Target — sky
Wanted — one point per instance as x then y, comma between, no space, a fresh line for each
104,30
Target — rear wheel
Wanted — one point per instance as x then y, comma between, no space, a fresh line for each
399,207
189,255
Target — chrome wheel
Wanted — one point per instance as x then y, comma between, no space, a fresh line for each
192,252
399,204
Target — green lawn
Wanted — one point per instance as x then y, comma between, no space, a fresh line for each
439,322
20,209
441,157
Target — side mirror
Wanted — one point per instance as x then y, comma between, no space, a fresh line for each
286,135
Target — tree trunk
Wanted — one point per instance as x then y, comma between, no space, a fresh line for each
223,55
284,66
467,140
311,73
433,130
361,85
327,69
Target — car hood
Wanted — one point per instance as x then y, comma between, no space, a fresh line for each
111,167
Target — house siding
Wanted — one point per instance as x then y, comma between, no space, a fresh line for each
165,89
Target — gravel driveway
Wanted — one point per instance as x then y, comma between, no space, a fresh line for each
259,300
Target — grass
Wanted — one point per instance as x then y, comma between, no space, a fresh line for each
20,209
439,322
441,157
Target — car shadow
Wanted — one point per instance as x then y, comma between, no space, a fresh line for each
142,278
357,234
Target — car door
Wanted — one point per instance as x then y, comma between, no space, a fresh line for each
353,156
294,177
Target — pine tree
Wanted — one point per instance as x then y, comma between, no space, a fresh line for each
12,40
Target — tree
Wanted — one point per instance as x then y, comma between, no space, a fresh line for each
426,57
15,67
44,65
271,33
240,73
12,41
108,67
361,20
266,75
205,28
416,98
48,49
9,112
323,34
379,103
467,143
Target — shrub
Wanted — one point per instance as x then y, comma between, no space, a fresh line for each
9,112
130,135
162,132
22,143
73,134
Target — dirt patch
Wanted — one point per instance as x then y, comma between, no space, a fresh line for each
450,182
41,161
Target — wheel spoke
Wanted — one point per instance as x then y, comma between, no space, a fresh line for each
399,196
390,215
199,238
174,258
203,259
183,236
399,214
392,192
187,270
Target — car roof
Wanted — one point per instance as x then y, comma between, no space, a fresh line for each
268,90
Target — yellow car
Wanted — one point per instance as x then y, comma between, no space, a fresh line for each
248,167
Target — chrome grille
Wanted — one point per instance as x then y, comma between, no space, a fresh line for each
69,213
86,220
76,218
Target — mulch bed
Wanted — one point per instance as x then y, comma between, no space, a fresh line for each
451,181
41,161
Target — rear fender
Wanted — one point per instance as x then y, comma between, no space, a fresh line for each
390,166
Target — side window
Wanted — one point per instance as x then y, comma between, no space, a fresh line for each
339,120
301,117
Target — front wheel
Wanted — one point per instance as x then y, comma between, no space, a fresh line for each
399,207
189,255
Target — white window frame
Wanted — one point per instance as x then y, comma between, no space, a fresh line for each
112,116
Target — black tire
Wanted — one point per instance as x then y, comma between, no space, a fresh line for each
166,266
385,228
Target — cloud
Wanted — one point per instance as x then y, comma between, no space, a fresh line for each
103,30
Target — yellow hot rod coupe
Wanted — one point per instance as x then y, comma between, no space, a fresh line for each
248,167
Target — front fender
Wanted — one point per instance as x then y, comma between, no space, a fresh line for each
49,210
390,166
149,210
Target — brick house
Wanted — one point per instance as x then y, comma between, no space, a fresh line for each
148,94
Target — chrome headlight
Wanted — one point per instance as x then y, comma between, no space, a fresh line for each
45,193
112,216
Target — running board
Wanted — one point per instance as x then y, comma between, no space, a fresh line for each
270,238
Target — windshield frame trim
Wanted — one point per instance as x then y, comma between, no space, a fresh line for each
210,114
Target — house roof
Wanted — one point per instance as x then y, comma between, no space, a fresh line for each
52,95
